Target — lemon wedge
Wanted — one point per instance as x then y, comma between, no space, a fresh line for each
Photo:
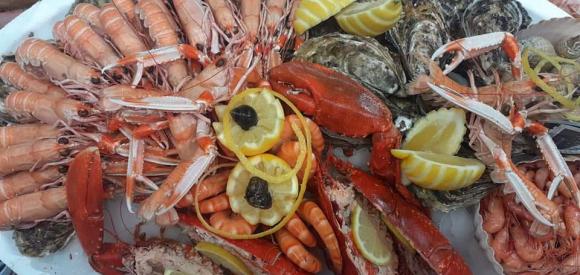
440,131
222,257
311,12
370,18
439,171
368,240
257,122
257,200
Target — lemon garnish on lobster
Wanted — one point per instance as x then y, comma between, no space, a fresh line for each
440,131
258,121
311,12
438,171
256,199
368,239
223,257
370,18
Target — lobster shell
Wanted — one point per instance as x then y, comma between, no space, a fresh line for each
410,222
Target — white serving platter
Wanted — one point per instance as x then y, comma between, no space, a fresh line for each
38,21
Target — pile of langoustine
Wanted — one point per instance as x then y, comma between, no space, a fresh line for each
118,104
121,104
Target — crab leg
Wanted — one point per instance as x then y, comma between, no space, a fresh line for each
474,46
526,190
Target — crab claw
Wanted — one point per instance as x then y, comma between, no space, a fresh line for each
470,47
158,56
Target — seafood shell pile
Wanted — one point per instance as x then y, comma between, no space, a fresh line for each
236,122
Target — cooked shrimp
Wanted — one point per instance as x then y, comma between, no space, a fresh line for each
224,16
296,252
500,244
250,10
23,133
89,13
126,8
215,204
57,65
289,152
90,43
32,207
299,230
494,215
192,14
525,245
513,262
26,182
230,222
120,31
163,33
288,133
15,76
209,187
572,220
312,214
34,154
45,108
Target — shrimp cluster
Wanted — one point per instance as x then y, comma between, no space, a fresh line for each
519,242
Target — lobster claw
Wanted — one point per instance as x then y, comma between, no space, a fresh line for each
85,196
405,221
474,46
341,105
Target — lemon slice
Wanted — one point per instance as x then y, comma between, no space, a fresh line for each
257,200
440,131
311,12
257,122
368,239
222,257
370,18
439,171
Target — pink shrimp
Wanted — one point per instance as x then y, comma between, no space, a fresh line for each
527,248
250,10
275,13
14,75
34,52
572,220
494,219
32,207
47,109
224,16
26,182
89,13
120,31
192,14
500,244
23,133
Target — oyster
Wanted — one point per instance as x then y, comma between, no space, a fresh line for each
43,239
418,34
485,16
361,58
569,48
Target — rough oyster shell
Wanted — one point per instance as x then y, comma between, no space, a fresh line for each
43,239
485,16
419,33
364,59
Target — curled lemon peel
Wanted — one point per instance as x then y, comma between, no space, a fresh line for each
556,62
304,151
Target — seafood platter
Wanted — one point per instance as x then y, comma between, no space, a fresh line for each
290,137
